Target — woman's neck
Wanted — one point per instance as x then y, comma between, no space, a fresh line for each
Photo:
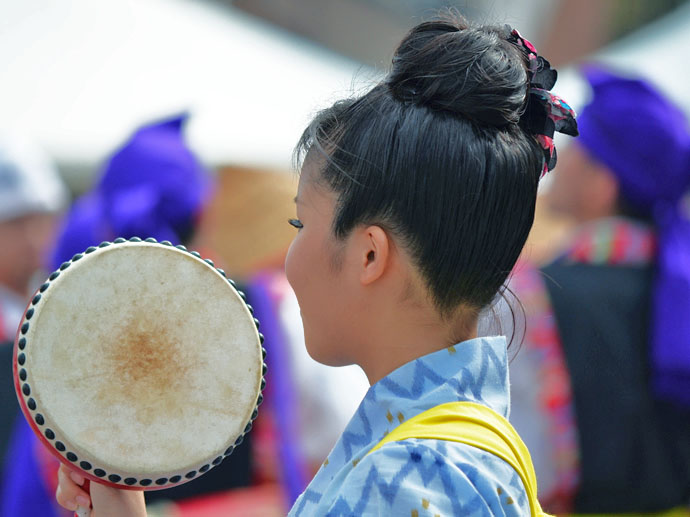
401,333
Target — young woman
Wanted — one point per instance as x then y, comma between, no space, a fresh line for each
413,205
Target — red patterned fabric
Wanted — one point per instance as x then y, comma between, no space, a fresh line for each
555,402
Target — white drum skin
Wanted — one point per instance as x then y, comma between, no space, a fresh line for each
140,364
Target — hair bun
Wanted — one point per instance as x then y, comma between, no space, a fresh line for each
450,66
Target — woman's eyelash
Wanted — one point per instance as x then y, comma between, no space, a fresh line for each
296,223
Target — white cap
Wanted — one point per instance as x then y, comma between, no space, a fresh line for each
29,182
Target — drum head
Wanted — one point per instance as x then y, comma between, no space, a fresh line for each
139,363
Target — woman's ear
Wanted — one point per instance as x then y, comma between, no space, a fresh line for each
375,250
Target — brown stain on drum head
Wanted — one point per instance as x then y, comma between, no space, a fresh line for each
146,367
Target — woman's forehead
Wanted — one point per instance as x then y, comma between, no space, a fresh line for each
311,166
310,180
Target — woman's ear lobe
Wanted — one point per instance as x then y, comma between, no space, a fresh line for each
376,254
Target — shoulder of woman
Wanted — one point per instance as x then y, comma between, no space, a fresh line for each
448,477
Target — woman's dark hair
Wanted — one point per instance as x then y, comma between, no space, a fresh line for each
434,153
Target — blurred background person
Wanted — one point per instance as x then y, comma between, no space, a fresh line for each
153,186
31,195
601,385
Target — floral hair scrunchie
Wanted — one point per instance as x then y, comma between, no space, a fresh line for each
545,113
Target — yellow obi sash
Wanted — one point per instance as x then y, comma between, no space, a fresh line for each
478,426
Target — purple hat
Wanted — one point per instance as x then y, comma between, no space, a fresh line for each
153,186
638,134
645,142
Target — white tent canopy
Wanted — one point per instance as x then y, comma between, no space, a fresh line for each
79,75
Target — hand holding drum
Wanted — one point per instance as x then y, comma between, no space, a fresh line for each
139,365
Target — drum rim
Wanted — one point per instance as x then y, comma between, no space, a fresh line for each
34,417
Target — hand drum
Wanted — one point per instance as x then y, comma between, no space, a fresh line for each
139,364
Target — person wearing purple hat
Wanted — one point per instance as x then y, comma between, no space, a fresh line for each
643,142
612,376
152,186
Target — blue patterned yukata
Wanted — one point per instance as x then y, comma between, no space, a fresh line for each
421,477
